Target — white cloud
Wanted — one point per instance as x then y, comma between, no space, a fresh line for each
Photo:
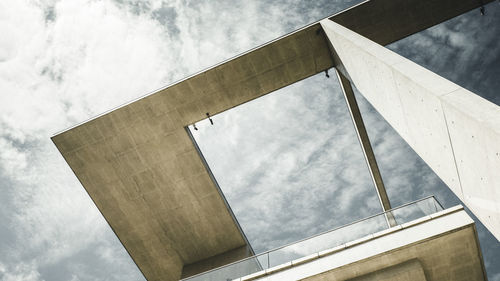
12,159
93,56
19,272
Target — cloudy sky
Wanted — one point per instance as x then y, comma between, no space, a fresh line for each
289,163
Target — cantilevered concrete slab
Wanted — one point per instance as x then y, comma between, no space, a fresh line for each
440,247
456,132
452,255
145,175
141,168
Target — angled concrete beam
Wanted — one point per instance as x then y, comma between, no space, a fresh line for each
456,132
364,140
387,21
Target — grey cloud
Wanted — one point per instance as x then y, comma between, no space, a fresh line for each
7,237
136,7
50,14
167,15
53,74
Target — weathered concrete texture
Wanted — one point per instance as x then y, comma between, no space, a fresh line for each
217,261
411,270
145,175
456,132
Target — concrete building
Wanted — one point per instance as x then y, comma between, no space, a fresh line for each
144,172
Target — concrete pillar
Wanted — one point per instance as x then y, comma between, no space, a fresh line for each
366,147
456,132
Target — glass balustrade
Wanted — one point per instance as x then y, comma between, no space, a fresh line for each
322,241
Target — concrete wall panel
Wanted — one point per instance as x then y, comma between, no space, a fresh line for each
474,127
426,127
384,92
455,132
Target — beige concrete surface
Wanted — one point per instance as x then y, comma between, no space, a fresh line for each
219,260
140,167
456,132
144,173
450,257
410,270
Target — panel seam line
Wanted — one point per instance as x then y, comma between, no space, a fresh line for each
452,150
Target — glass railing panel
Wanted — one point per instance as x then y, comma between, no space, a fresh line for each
327,240
323,241
234,270
416,210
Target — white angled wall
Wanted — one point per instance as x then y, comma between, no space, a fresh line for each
456,132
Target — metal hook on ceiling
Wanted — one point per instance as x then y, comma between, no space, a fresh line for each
481,10
211,121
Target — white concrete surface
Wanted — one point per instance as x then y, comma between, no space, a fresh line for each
456,132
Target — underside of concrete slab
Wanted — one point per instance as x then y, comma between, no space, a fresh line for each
410,270
144,173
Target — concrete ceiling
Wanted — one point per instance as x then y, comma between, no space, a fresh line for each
143,171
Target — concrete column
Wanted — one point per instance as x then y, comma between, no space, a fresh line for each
364,141
456,132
